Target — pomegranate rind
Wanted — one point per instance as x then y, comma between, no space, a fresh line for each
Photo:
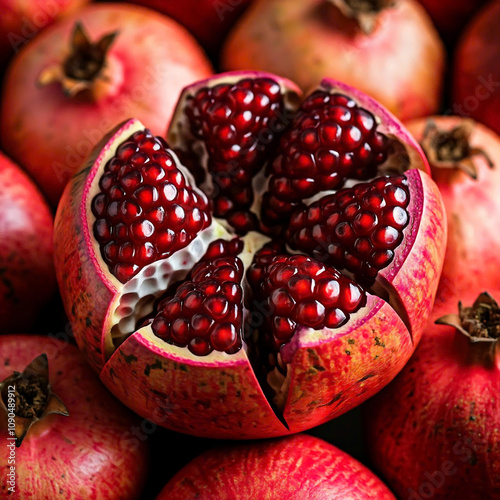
216,396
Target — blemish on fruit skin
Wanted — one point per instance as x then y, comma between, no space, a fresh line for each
183,367
348,352
6,362
157,365
366,377
334,400
351,341
129,359
379,343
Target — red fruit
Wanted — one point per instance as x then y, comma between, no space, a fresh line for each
433,432
91,453
450,16
464,158
64,92
476,70
26,260
390,50
302,467
232,337
208,20
22,20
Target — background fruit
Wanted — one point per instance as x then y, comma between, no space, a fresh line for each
400,63
434,431
27,278
50,130
93,452
302,466
22,20
472,204
476,71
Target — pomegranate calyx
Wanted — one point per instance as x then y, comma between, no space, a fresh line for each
33,397
84,69
480,323
452,149
364,12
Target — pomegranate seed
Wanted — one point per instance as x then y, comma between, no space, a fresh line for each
144,210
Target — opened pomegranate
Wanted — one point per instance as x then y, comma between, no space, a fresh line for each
26,256
464,157
73,440
85,75
301,466
22,20
433,432
388,49
220,335
208,20
476,75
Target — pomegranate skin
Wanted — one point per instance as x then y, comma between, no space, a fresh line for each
472,207
476,70
303,466
451,16
400,63
26,253
434,431
92,453
23,20
212,21
150,61
219,396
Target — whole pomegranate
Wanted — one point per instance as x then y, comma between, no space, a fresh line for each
303,467
388,49
22,20
85,75
214,334
450,16
434,432
210,24
465,163
65,436
476,74
26,256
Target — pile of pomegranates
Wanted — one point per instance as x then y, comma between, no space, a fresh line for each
239,220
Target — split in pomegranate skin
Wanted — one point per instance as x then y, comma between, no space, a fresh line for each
146,209
206,311
357,229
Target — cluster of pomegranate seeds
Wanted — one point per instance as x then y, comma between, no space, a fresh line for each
331,139
145,209
239,124
206,312
299,290
357,229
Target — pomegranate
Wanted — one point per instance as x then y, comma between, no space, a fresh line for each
26,256
305,467
92,453
203,319
462,154
476,72
212,21
85,75
22,20
388,49
451,16
433,432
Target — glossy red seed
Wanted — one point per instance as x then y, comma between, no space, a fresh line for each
139,205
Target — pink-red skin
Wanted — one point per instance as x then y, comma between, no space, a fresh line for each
472,207
451,16
400,64
27,276
212,21
476,69
91,454
22,20
49,134
330,372
435,430
300,467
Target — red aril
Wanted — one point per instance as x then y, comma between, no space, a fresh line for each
209,314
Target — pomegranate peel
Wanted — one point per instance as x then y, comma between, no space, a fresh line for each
289,341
